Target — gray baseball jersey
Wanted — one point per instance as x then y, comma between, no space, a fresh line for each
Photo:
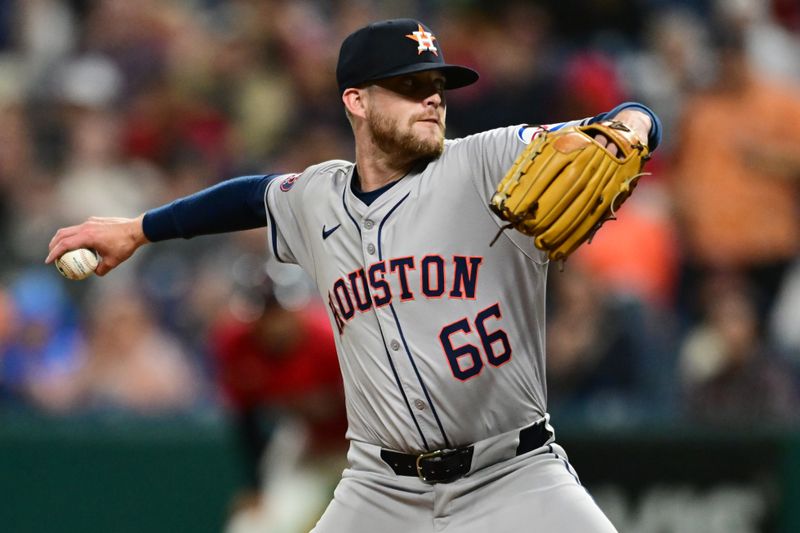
440,335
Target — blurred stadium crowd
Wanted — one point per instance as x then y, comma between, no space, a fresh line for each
687,309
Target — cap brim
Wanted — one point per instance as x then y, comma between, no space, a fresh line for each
455,76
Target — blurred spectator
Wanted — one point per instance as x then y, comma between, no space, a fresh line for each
294,154
310,62
515,60
735,177
588,85
42,346
15,173
97,178
96,175
604,366
771,48
730,376
189,284
675,61
134,35
130,366
278,370
249,83
46,34
637,255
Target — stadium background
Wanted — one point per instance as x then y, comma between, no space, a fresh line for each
674,345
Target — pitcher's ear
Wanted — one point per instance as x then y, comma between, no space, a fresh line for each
354,101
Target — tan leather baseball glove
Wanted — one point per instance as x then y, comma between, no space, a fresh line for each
566,184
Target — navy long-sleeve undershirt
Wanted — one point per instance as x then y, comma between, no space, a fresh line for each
654,138
233,205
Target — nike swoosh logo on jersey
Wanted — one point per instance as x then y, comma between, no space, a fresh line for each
327,233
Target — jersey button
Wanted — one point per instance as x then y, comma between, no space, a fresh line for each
371,249
368,224
419,404
395,345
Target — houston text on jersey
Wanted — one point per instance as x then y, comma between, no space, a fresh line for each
365,288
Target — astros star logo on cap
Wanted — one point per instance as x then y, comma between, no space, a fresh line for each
424,39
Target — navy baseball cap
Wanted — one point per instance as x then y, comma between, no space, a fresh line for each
394,47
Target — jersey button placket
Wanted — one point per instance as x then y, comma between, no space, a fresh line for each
408,379
368,225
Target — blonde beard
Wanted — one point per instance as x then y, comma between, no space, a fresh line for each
403,145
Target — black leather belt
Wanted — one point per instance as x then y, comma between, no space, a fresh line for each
444,466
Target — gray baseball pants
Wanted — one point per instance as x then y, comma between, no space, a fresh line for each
535,492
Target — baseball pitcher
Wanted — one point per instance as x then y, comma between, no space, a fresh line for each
431,256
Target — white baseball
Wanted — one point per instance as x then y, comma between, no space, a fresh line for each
77,264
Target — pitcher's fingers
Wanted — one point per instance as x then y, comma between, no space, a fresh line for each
102,269
64,244
601,139
63,233
56,250
106,265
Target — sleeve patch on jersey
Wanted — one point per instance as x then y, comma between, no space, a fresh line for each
527,133
288,182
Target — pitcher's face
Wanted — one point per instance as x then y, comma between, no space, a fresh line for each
406,115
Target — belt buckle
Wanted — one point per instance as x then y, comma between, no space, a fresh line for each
426,455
